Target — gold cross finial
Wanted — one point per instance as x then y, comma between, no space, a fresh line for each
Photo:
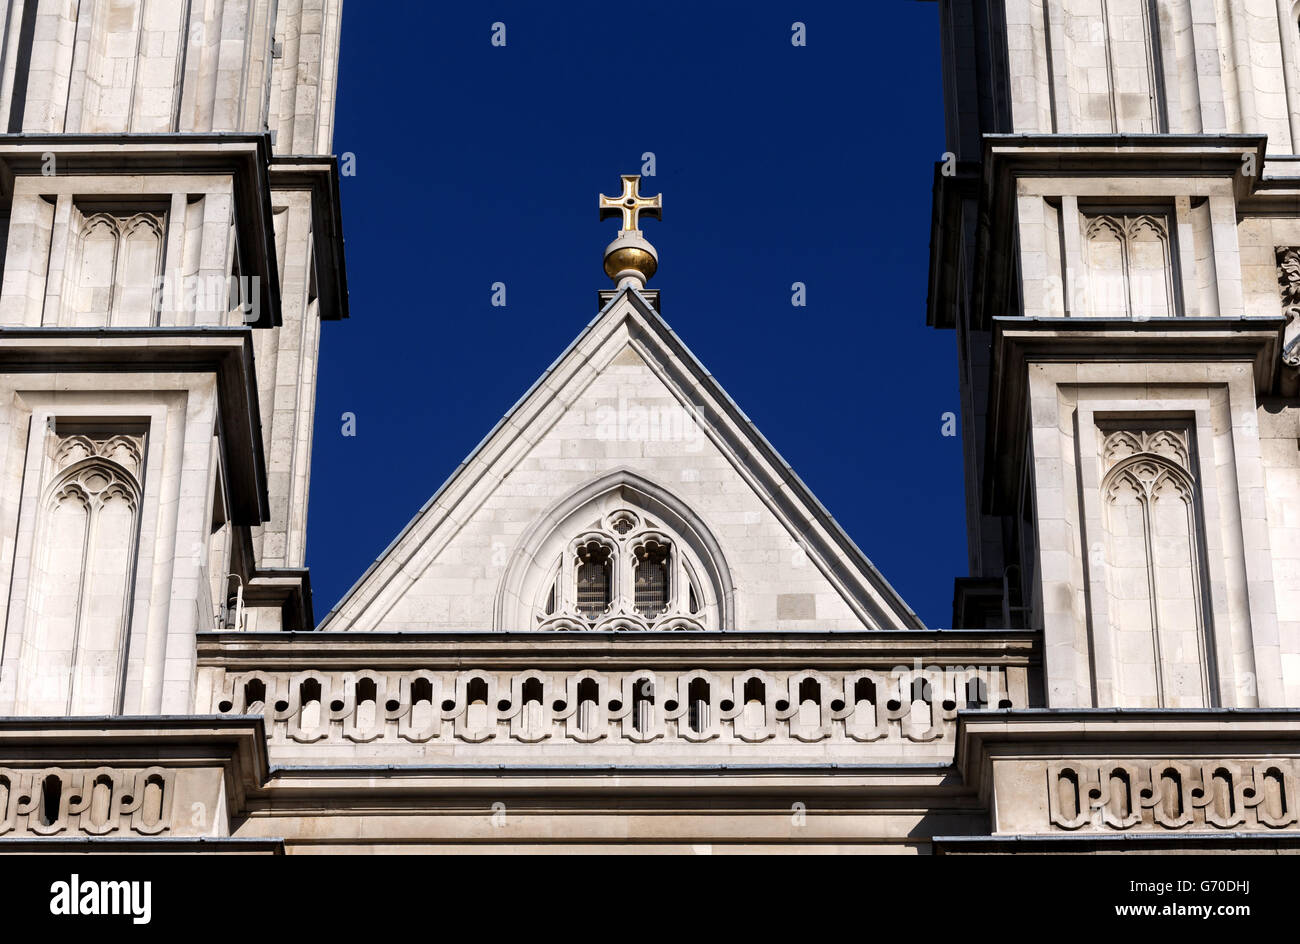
631,204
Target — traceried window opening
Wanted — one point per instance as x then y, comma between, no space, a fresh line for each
593,583
651,597
621,573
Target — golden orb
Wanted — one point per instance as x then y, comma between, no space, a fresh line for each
629,257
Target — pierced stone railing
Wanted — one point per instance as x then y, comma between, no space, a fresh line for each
100,801
1173,794
587,707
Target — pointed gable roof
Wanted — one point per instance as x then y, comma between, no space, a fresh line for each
626,321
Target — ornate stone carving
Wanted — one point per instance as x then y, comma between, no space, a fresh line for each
1170,444
603,581
96,802
1173,794
1288,279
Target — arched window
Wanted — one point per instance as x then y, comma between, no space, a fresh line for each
593,584
650,561
623,576
618,554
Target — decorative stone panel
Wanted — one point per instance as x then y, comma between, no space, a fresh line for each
101,801
1173,794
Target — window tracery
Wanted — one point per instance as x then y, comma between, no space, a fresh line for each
623,573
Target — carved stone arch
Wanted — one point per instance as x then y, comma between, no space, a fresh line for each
120,479
523,584
1145,222
1147,470
1110,224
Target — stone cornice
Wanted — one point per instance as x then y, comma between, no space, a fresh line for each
1211,733
237,744
1010,157
1019,342
379,650
225,351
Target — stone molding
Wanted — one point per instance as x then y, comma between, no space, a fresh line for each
1111,771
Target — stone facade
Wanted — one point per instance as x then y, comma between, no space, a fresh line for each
624,623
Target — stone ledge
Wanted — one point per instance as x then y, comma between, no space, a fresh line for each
1108,771
226,352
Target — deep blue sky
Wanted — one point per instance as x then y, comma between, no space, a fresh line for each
477,164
